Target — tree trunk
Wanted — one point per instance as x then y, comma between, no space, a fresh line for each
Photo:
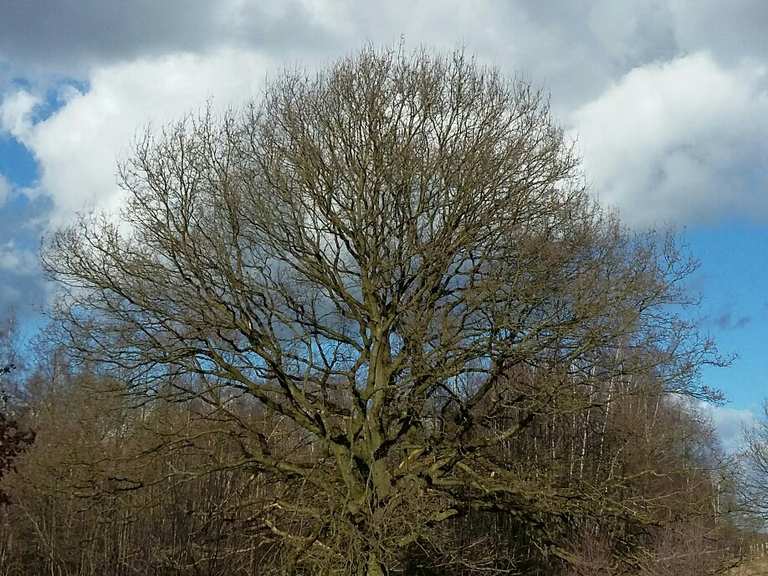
374,567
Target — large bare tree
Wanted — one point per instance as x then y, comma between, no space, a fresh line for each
396,256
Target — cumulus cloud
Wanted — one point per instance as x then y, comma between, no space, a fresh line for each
21,288
669,115
5,190
732,31
730,424
48,36
16,112
573,47
678,141
17,260
79,145
579,45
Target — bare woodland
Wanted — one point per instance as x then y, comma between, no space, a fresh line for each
371,324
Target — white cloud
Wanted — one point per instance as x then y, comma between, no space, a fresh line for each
16,112
5,190
664,138
678,141
79,145
729,424
17,260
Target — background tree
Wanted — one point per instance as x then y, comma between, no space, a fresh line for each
754,467
13,439
110,487
397,259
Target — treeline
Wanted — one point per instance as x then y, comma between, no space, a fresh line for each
117,484
372,324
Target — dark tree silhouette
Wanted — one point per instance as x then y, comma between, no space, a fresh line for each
13,439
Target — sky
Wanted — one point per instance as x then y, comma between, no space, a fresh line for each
665,100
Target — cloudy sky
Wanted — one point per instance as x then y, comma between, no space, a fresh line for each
667,101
